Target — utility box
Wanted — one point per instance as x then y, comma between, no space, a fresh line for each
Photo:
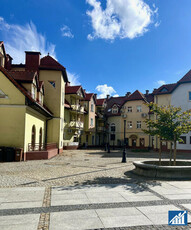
18,154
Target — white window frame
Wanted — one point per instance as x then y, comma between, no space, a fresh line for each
138,124
91,122
129,109
129,124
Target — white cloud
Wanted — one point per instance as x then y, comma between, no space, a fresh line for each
116,95
73,78
160,82
120,18
19,38
157,24
104,90
66,32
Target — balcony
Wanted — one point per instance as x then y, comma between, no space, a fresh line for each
77,108
41,147
100,129
76,124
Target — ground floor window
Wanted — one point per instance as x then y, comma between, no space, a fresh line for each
112,137
183,140
134,142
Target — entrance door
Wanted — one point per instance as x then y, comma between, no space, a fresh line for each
134,142
142,142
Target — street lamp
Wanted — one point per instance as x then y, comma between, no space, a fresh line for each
124,146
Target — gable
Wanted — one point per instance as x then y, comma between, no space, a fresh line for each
13,95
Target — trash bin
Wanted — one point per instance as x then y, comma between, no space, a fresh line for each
18,154
9,154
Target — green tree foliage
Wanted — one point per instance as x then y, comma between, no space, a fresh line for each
169,124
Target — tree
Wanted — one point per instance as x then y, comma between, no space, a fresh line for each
169,124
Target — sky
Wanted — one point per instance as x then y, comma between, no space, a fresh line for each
107,46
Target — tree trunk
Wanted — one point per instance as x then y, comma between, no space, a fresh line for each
170,152
160,150
174,151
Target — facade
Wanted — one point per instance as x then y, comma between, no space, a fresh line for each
178,95
32,104
74,113
127,114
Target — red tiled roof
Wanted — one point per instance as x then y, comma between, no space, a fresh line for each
186,78
136,96
99,102
169,89
23,76
88,96
72,89
24,92
50,63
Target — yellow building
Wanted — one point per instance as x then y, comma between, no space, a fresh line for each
32,104
128,114
89,132
73,116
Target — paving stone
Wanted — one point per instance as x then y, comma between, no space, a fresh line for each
114,212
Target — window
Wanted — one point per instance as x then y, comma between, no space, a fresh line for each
183,140
138,124
139,109
52,83
129,125
142,142
92,107
164,90
33,137
129,109
112,127
190,139
112,137
33,91
92,121
189,96
115,109
40,139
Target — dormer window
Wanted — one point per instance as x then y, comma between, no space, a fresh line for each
163,90
115,109
33,92
92,107
2,94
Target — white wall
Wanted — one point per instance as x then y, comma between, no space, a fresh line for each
180,98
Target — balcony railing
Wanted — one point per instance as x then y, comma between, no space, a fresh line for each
78,108
41,147
77,124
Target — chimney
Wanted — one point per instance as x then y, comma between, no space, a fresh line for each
147,92
8,62
95,95
68,83
127,94
32,61
107,96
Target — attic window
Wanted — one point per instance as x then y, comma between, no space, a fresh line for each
52,83
115,109
2,94
164,90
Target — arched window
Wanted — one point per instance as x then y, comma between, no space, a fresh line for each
40,139
33,136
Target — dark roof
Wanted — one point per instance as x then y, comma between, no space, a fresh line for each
149,97
168,88
186,78
31,101
114,101
99,102
23,76
137,95
50,63
72,89
88,96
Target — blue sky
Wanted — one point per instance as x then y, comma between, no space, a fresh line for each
115,46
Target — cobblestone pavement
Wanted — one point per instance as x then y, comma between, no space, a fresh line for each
88,189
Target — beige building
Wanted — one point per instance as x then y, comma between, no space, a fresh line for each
128,114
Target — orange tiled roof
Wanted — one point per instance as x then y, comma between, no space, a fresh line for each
72,89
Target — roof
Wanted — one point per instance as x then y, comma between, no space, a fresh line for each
186,78
168,88
33,102
23,76
137,95
100,102
88,96
149,97
50,63
114,101
72,89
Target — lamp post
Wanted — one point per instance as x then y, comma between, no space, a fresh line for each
124,146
